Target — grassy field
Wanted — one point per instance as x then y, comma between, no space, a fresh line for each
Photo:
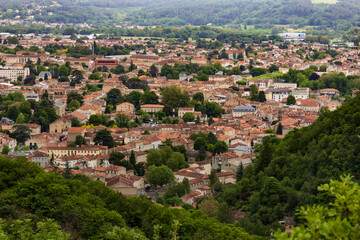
324,1
269,75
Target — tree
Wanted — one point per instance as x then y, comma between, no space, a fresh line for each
199,96
29,80
119,69
279,130
25,108
80,140
172,96
262,97
186,185
13,112
73,105
75,122
132,158
213,109
132,66
225,213
21,133
26,229
273,68
116,158
199,142
149,97
189,117
213,178
176,161
220,147
97,120
153,70
146,132
254,92
64,71
210,207
290,100
211,121
211,138
240,172
159,176
257,71
168,110
323,68
20,119
122,120
12,40
77,76
95,76
136,83
114,97
5,150
103,137
160,115
134,97
154,157
314,76
75,96
337,220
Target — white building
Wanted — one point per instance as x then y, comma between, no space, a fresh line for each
277,94
13,73
293,36
259,82
302,93
182,111
284,85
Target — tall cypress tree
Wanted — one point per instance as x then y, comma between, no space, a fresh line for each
132,158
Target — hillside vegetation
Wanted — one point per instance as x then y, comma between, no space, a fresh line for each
36,203
263,14
287,172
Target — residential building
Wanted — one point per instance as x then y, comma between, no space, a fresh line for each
240,111
182,111
39,157
125,107
84,150
152,108
13,73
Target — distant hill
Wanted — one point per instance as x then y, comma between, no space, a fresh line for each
264,14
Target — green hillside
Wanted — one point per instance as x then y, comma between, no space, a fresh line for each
287,172
86,209
261,14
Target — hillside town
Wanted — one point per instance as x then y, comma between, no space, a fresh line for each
71,106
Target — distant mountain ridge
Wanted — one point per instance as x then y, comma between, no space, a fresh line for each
263,14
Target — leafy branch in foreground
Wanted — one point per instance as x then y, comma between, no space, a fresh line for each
339,220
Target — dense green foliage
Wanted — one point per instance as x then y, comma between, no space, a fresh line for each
87,209
15,107
337,220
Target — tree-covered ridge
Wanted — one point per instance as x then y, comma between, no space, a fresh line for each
287,172
89,210
340,16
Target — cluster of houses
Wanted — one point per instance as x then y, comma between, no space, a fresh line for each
243,125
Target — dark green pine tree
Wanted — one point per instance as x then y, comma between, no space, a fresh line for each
279,130
239,172
132,158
